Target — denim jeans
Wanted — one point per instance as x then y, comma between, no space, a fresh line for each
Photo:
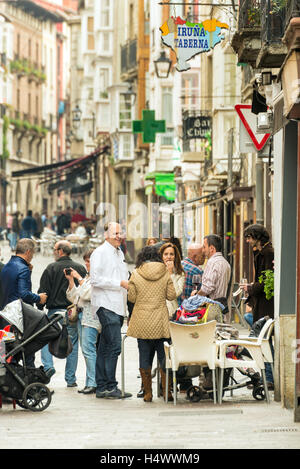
13,238
88,339
249,318
72,359
109,349
147,349
269,374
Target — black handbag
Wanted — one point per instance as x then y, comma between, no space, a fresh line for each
62,346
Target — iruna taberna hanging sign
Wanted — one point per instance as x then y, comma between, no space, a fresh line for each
189,39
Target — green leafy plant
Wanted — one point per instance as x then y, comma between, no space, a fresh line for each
207,145
277,5
26,125
267,278
24,67
5,152
253,14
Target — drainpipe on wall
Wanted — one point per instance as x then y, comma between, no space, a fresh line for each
259,190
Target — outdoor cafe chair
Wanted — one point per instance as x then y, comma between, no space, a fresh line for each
263,339
256,361
193,344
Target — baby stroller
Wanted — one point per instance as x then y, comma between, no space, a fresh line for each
26,332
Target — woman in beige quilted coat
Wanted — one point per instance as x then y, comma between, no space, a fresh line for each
149,287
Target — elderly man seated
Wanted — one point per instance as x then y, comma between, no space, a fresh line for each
192,266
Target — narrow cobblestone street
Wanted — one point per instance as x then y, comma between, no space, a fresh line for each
76,421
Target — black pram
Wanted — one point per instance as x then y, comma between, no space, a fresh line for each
29,330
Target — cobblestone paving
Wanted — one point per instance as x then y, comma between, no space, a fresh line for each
75,421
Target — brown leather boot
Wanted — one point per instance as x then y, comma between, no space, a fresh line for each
147,383
163,384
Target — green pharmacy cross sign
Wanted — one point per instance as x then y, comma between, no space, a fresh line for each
148,126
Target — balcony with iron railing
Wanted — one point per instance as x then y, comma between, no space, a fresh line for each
246,41
273,23
260,29
129,63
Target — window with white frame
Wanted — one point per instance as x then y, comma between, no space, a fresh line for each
90,33
126,146
105,41
103,83
124,113
105,14
229,79
190,91
167,115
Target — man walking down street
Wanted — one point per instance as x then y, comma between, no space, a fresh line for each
28,225
15,278
217,271
109,280
192,266
55,284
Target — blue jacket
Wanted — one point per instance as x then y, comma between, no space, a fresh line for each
15,278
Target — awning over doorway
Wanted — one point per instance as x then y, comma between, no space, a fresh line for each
63,175
164,184
56,170
42,9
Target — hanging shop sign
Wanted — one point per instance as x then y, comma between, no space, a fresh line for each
188,39
196,127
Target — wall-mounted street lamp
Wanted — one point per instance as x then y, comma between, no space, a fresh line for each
76,116
76,120
129,93
162,65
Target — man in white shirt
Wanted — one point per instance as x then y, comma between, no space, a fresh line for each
109,280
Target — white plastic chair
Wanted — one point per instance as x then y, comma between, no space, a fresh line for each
257,362
191,345
264,340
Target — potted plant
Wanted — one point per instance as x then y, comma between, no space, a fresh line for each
267,278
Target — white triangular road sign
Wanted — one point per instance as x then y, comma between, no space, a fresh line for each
248,120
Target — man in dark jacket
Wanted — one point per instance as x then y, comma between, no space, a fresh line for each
62,223
15,278
55,284
29,225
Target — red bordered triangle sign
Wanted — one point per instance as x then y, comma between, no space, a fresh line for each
249,121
